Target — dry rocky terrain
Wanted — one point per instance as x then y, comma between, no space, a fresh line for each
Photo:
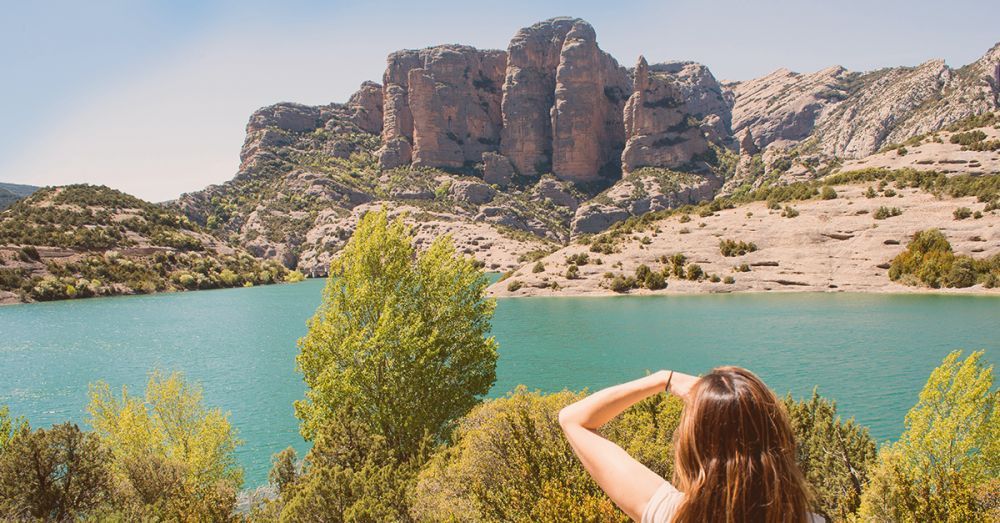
832,245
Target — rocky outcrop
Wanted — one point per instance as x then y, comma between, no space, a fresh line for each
660,133
441,106
497,169
852,115
562,102
784,106
366,107
645,191
702,95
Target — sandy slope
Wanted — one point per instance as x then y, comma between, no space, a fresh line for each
829,247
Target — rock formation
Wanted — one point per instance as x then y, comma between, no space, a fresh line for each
562,102
441,106
852,115
366,107
660,133
702,95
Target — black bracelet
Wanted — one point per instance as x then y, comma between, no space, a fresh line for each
670,377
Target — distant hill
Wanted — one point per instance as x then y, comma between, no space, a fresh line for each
81,240
12,192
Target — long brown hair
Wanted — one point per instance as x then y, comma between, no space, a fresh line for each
735,454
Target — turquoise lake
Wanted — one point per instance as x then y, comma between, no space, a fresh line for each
871,353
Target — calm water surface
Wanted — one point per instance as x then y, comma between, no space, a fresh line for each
871,353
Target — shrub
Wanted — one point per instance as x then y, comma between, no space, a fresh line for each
539,267
173,457
654,281
889,193
621,284
743,268
884,212
828,193
947,455
732,248
929,260
685,218
55,474
642,271
790,212
870,193
580,258
572,272
694,272
291,277
962,213
729,280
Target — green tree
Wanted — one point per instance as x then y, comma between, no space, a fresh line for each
55,474
946,463
172,457
9,427
400,341
834,455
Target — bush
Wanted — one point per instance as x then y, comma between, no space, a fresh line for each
654,281
540,479
55,474
870,193
622,284
572,272
929,260
539,267
962,213
580,258
743,268
828,193
945,464
694,272
729,280
884,212
732,248
790,212
514,285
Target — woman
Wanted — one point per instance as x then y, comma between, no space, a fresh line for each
734,452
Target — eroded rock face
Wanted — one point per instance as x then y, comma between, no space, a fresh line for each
784,105
444,103
562,101
291,117
366,107
497,169
852,115
659,131
642,192
702,95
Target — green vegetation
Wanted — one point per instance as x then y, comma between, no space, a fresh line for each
732,248
572,272
789,212
162,458
122,244
88,217
884,212
828,193
539,267
962,213
945,465
929,260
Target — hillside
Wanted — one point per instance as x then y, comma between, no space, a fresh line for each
517,152
79,241
12,192
838,234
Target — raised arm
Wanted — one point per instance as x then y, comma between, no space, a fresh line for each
627,482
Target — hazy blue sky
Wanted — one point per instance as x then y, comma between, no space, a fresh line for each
152,97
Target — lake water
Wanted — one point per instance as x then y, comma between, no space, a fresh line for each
872,353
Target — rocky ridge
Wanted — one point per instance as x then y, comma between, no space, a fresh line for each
526,148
